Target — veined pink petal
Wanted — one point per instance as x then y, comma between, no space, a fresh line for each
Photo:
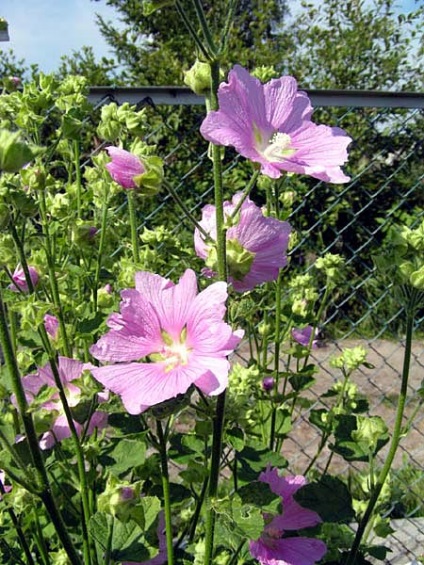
124,166
265,238
270,124
141,385
285,106
288,551
188,344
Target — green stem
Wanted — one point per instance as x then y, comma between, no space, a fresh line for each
185,209
191,30
36,456
103,228
246,193
277,341
18,529
218,421
204,26
77,174
133,224
40,541
52,275
166,493
396,436
108,552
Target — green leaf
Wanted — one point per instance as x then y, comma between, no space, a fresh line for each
260,495
378,551
235,438
356,437
329,497
90,325
124,455
254,458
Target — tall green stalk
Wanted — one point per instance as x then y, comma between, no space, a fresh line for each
218,421
133,225
166,493
37,459
396,436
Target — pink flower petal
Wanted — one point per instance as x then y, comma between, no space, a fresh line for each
288,551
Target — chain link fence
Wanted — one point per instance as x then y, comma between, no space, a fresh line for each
386,188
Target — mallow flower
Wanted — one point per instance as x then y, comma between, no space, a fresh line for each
274,547
256,244
19,279
69,371
303,336
51,324
124,167
166,338
270,124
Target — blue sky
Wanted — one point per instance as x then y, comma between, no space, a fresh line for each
43,30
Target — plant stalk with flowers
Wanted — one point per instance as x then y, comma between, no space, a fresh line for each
128,431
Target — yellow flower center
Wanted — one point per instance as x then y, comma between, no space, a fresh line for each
174,353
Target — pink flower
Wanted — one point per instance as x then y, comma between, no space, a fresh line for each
124,167
51,323
256,245
19,280
6,488
270,125
272,548
303,336
69,371
179,331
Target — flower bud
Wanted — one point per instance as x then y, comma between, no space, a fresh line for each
104,296
51,323
268,383
19,279
198,78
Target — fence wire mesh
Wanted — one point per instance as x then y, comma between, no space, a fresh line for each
386,188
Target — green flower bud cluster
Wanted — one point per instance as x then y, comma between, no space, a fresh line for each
350,359
403,257
332,265
117,121
303,295
265,73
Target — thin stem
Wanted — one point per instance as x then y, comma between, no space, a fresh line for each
133,224
103,228
246,193
204,26
77,174
166,493
396,436
185,209
192,31
218,421
39,540
32,439
108,552
277,341
52,275
18,529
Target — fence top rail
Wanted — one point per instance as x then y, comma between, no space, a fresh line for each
180,95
